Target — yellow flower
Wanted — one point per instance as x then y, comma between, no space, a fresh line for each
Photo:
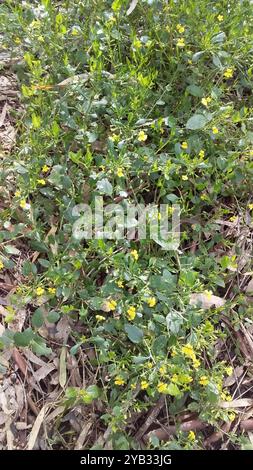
233,218
228,73
133,386
250,206
134,254
100,318
206,101
203,380
231,416
111,305
188,351
137,43
131,313
180,28
120,173
41,181
120,284
208,294
202,153
184,145
174,378
151,301
142,136
144,385
17,40
40,291
17,193
119,381
180,42
229,370
215,130
185,177
163,369
114,138
149,365
1,265
162,387
23,204
45,169
220,18
51,290
196,363
191,436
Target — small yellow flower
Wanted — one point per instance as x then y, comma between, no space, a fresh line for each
151,301
142,136
100,318
114,138
133,386
23,204
17,40
231,416
41,181
180,42
208,294
162,387
188,351
134,254
229,370
185,177
184,145
206,101
120,173
111,305
119,380
149,365
45,169
131,313
204,380
40,291
202,153
180,28
17,193
233,218
228,73
215,130
174,378
1,265
196,363
220,18
250,206
120,284
144,385
191,436
163,370
51,290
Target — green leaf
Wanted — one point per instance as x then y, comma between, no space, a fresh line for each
29,268
105,187
53,316
134,333
38,318
173,390
174,322
11,250
23,338
39,346
195,90
197,121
